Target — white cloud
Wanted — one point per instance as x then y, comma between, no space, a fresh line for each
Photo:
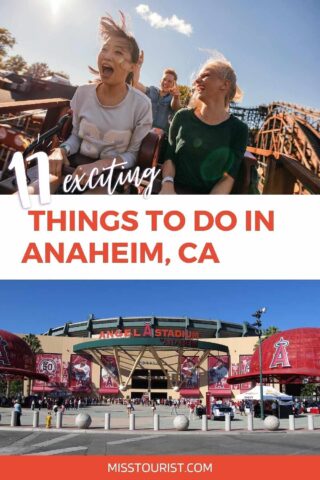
157,21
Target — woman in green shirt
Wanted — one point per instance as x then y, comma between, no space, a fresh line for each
206,143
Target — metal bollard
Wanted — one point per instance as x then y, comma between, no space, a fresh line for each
132,421
227,422
204,423
107,421
310,422
35,423
250,422
156,421
59,420
14,419
292,422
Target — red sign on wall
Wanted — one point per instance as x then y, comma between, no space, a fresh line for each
189,373
218,372
65,373
109,377
244,364
50,365
80,373
235,371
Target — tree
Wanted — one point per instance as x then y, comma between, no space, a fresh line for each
6,41
33,342
268,332
16,388
185,94
310,390
38,70
35,346
16,64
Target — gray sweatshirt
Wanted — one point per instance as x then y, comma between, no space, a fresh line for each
100,131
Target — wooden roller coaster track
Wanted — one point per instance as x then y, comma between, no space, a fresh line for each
285,129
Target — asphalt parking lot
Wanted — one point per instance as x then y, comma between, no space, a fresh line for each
144,440
210,443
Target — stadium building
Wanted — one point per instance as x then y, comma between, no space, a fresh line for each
158,357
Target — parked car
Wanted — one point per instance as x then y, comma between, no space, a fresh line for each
219,412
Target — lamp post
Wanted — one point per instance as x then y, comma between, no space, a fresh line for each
258,324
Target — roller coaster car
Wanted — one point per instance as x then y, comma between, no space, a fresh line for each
148,156
245,183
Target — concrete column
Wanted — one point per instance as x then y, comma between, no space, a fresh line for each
107,421
35,422
59,420
250,422
310,422
291,422
156,421
227,422
132,421
13,419
204,423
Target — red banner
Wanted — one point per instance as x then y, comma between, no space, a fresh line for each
80,373
244,365
65,374
189,373
49,364
235,370
109,376
218,372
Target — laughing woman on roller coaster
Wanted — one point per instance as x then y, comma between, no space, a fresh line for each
206,143
110,118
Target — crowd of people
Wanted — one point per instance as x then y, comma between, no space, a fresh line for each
75,402
195,407
112,115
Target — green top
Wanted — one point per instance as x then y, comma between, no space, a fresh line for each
203,153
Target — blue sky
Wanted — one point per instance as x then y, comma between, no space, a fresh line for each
35,306
273,45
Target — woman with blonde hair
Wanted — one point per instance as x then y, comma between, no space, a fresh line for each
206,143
110,118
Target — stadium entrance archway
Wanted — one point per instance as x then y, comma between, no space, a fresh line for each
155,365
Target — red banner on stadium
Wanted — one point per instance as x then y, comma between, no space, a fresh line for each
49,364
80,373
65,374
189,376
218,372
235,370
244,365
109,376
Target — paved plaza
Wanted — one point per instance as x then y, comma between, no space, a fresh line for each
144,419
144,440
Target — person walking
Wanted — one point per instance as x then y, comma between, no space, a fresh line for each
153,407
191,410
18,411
174,408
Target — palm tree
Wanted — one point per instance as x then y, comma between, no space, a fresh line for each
270,331
266,334
33,342
35,346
